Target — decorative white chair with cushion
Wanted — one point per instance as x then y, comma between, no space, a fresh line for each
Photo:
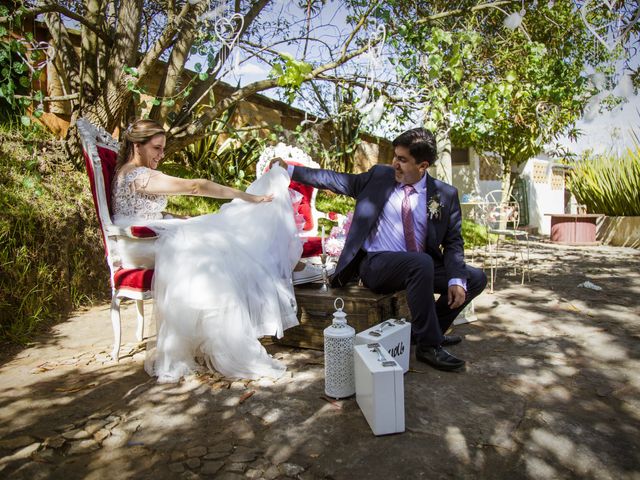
100,152
307,208
294,156
501,219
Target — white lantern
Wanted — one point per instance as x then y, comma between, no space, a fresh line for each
339,380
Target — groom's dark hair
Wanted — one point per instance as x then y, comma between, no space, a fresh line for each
421,144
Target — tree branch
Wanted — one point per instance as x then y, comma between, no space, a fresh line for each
56,8
458,11
149,59
65,51
202,89
59,98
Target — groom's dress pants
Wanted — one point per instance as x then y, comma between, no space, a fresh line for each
415,272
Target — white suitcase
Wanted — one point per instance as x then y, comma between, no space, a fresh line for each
392,334
379,388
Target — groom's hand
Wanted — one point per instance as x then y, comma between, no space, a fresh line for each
456,296
278,161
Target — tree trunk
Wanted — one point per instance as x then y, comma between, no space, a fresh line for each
175,67
443,165
89,56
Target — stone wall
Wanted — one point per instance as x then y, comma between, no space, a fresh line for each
619,231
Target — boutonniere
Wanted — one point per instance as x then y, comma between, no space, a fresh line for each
434,207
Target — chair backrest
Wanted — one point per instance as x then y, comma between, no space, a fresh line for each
499,214
100,151
295,156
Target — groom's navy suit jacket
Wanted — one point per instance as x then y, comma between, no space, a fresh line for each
371,190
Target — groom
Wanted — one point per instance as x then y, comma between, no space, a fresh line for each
406,234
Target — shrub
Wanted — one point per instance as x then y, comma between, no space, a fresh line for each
51,254
474,235
608,185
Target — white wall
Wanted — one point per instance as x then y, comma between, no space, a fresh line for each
543,199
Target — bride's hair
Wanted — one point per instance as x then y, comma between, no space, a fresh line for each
140,131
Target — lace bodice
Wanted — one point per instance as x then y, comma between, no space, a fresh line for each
129,204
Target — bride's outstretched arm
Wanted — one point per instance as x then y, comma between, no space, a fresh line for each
160,184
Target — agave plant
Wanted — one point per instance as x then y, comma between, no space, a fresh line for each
607,184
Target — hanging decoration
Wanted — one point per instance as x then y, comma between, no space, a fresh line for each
32,50
514,20
226,27
371,108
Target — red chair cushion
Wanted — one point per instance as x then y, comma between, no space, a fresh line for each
133,279
304,208
142,232
108,159
305,204
312,247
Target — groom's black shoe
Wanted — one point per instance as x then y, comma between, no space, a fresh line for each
446,341
451,340
439,358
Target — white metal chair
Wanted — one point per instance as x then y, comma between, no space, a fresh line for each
501,219
100,152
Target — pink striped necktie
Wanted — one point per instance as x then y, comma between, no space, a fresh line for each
407,220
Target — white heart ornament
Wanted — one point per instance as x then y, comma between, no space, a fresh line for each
228,29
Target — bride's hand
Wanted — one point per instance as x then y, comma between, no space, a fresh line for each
278,161
259,198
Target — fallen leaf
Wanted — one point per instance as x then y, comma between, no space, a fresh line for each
246,395
331,401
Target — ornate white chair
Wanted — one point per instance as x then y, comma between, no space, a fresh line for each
501,218
294,156
100,152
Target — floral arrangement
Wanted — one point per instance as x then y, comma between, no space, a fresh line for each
288,153
338,235
434,207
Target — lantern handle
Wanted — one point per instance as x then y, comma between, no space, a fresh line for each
335,304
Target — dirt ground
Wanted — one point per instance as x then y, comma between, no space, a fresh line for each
552,390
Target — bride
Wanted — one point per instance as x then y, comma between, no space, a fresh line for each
221,280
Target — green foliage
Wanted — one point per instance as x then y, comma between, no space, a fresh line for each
225,155
330,202
51,254
187,206
608,185
20,68
290,73
474,235
508,92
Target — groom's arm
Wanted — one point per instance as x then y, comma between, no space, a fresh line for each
453,244
342,183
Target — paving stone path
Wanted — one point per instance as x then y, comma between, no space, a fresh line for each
552,390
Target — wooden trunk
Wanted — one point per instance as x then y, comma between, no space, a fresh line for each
315,312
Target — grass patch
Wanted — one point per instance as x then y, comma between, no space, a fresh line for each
51,254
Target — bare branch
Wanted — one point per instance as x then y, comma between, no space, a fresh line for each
59,98
357,28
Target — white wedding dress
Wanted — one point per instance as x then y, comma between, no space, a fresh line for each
221,280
